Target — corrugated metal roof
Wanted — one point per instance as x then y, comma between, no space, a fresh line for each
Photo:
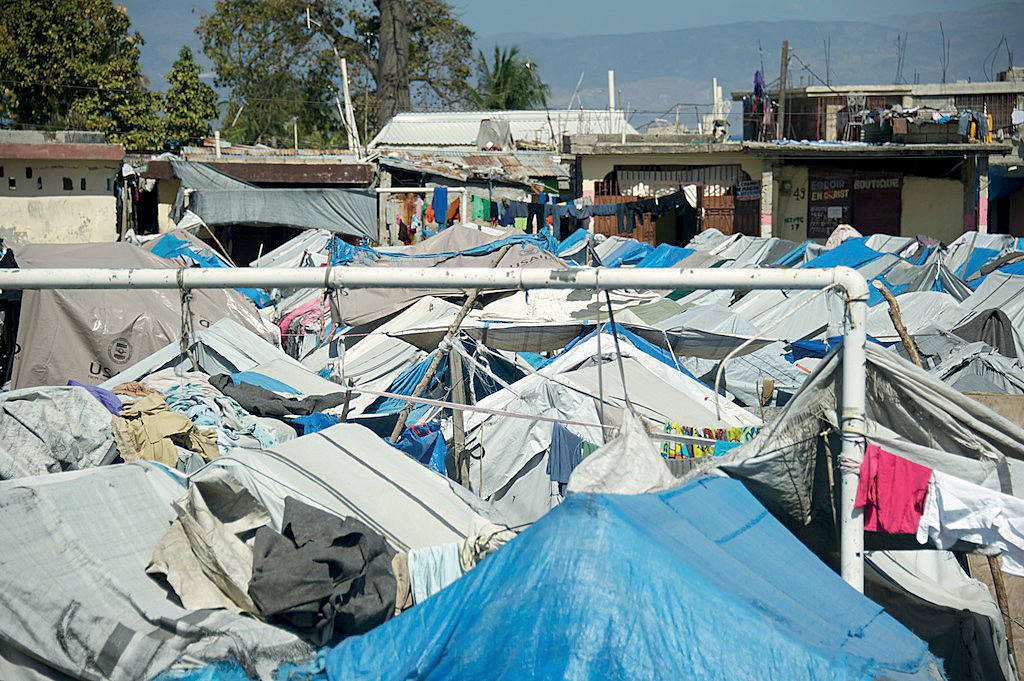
530,128
516,166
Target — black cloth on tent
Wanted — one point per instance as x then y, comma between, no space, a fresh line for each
259,401
322,575
993,327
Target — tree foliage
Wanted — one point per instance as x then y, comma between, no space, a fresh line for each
189,104
280,60
509,82
75,64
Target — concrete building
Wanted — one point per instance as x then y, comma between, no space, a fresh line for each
58,187
791,190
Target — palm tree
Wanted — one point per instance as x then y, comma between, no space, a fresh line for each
509,82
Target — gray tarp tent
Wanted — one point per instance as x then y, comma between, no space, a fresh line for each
91,335
219,199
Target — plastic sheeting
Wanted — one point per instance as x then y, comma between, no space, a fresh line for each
347,470
665,255
219,199
91,335
710,587
77,601
52,429
909,412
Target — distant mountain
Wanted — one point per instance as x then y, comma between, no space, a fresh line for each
655,71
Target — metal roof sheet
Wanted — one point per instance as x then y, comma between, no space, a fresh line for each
460,128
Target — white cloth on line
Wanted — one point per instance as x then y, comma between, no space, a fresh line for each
959,510
432,568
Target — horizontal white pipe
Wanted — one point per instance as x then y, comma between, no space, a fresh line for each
432,278
851,281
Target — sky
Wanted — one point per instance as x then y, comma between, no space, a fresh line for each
565,17
167,24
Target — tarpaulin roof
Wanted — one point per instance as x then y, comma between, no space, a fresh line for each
219,199
711,587
91,335
851,253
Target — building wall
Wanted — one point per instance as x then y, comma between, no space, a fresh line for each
932,206
166,191
595,168
789,202
37,205
1017,213
928,206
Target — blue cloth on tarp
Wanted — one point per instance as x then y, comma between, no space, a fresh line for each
263,381
564,453
819,348
406,383
628,253
108,399
222,670
535,359
426,444
978,257
793,257
317,421
665,255
340,252
571,240
170,246
851,253
697,582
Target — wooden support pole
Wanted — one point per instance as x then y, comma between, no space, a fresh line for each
995,565
442,346
897,322
458,423
780,123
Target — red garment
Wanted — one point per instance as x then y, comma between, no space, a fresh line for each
892,491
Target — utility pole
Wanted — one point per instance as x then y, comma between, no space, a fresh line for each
780,123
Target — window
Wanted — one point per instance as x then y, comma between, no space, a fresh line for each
11,184
108,184
28,172
83,184
1,171
39,183
67,184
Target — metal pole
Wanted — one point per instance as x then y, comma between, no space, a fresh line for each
852,415
852,425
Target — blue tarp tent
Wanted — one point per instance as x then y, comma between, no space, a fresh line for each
170,246
851,253
699,582
665,255
629,252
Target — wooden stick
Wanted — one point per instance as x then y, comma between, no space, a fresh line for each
897,322
995,565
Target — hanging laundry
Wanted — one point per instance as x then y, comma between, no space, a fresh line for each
432,568
891,491
679,450
439,204
957,510
564,454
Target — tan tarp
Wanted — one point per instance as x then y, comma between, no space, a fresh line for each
92,335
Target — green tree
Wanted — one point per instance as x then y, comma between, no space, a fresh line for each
189,104
280,59
75,63
509,82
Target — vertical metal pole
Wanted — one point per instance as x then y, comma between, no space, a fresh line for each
853,420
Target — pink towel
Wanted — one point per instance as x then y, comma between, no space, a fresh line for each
892,491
